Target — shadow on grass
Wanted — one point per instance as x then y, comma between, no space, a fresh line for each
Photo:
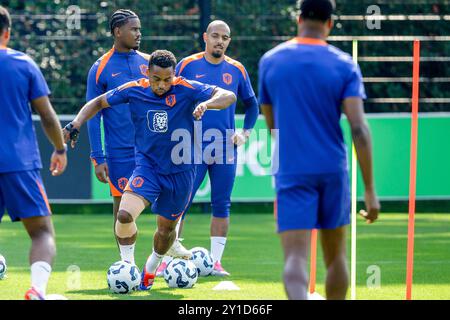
154,294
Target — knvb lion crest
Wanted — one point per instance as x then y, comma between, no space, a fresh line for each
158,121
171,100
227,78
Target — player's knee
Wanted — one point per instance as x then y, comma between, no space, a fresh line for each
124,217
220,209
165,231
125,226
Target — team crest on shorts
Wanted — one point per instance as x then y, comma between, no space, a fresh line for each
158,120
122,183
137,182
227,78
171,100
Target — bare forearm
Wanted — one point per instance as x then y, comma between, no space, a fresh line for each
222,99
88,111
52,129
363,146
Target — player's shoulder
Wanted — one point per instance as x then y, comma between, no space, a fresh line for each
100,64
340,55
143,55
181,83
236,64
140,84
193,58
20,58
279,50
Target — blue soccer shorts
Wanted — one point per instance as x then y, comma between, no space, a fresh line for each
169,195
314,201
23,195
119,173
221,176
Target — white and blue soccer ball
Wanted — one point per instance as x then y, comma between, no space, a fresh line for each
180,273
2,267
123,277
202,261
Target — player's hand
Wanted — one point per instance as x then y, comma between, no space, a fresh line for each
70,132
200,110
102,172
58,163
239,138
372,207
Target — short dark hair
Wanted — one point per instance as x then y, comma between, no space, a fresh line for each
5,19
319,10
120,18
163,59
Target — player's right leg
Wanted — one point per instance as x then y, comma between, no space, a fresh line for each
177,249
172,203
23,195
335,256
334,215
42,253
119,172
297,215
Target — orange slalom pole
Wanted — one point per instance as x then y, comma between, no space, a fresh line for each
313,262
413,170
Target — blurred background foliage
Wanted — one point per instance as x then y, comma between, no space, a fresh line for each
65,48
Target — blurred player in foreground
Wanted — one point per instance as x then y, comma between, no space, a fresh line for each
215,68
303,84
162,109
22,192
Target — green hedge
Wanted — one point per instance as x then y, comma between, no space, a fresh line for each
65,55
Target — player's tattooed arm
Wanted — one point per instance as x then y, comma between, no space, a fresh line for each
220,99
89,110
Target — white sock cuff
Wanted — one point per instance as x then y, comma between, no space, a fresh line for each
220,239
41,265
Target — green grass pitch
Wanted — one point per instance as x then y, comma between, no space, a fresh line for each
253,256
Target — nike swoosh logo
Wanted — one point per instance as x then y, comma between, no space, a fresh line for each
176,214
116,74
198,76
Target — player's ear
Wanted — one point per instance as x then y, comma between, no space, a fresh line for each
6,35
205,37
116,32
330,23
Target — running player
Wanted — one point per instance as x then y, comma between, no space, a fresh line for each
162,109
303,84
121,64
213,67
22,192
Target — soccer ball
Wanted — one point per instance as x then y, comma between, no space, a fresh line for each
2,267
180,273
202,261
123,277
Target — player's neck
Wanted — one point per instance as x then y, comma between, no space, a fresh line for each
212,59
313,34
119,48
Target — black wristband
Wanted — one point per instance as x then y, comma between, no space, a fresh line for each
62,151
